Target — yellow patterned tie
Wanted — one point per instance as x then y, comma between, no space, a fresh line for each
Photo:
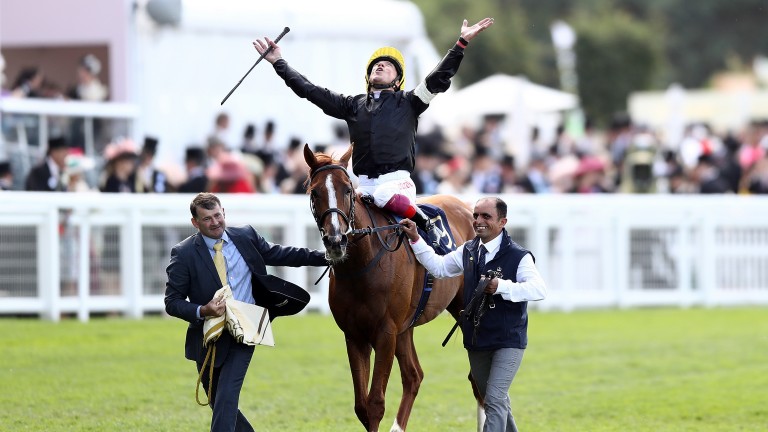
218,261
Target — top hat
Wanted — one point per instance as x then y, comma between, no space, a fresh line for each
227,169
150,145
278,296
196,154
57,143
123,149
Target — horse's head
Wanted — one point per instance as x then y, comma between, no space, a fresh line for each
332,200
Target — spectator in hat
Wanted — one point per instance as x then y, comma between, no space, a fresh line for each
249,140
193,278
120,170
46,176
230,175
88,87
590,176
197,181
6,176
148,178
76,165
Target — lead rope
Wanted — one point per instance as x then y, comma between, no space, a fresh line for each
211,347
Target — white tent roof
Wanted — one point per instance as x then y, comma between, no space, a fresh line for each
500,94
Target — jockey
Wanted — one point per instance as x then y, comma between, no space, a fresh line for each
382,122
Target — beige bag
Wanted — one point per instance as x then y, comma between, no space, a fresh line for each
247,323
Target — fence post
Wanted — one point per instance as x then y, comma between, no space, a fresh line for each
49,269
84,265
132,264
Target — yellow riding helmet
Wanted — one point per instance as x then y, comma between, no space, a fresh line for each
392,55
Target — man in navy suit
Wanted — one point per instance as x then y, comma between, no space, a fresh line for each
193,280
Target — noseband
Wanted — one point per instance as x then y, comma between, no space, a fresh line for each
350,220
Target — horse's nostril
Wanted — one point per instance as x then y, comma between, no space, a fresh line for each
332,241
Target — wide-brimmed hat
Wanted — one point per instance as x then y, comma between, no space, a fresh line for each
228,169
77,163
589,164
279,296
121,149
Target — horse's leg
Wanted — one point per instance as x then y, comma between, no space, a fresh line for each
384,356
411,374
480,403
359,354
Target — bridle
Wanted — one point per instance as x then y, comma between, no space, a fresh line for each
349,219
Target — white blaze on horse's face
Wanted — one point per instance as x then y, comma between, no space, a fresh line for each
332,203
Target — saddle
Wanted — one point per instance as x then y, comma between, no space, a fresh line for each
436,215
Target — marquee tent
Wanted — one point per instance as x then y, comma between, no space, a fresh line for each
523,104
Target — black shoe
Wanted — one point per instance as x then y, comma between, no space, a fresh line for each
433,236
433,233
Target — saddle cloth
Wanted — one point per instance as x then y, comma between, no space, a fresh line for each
438,217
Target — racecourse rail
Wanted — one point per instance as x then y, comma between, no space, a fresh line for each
89,253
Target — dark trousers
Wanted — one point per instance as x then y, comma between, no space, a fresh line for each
225,391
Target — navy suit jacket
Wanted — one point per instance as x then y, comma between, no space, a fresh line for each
193,280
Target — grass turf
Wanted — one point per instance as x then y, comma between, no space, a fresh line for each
636,370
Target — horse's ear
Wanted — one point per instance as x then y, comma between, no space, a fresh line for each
309,157
347,154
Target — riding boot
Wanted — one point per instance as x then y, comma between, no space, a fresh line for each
422,221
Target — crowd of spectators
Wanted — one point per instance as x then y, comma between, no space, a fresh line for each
622,158
625,158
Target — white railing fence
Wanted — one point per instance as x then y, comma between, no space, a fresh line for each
84,254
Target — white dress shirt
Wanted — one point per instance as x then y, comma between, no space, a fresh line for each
529,286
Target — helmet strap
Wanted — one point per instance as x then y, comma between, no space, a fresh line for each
392,85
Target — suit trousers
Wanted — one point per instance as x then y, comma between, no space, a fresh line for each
493,372
225,390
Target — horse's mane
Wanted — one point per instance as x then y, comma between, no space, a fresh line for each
322,160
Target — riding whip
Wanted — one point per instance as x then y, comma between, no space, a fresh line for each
277,39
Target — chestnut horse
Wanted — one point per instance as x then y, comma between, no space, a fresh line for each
376,285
